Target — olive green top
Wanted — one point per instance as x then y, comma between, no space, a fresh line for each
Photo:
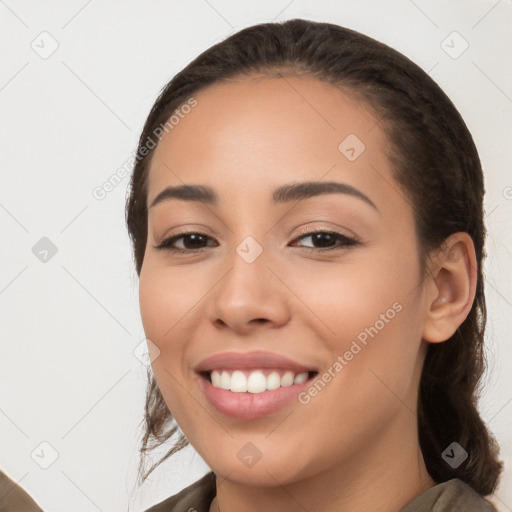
13,498
453,495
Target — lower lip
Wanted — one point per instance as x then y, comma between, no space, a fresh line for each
249,406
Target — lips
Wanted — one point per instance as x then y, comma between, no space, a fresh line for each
251,361
254,384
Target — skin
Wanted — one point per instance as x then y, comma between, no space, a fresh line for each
354,446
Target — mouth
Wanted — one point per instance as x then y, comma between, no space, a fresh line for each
255,381
252,385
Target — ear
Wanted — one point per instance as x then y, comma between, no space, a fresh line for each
450,287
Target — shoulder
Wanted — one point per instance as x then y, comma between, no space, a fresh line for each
197,497
450,495
14,498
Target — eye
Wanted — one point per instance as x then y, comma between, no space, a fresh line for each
190,242
194,242
327,240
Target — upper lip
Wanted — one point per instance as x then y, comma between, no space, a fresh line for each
250,361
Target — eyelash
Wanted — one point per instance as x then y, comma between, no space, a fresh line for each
346,242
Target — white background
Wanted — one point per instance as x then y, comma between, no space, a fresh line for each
69,326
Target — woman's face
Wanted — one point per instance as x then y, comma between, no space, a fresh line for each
257,285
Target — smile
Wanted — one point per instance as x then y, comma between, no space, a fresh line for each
252,385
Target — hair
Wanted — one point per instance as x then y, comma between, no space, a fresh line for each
431,149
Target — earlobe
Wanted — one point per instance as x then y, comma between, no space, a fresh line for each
451,288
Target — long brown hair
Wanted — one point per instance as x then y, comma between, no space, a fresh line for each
435,160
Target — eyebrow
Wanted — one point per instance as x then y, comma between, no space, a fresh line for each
283,194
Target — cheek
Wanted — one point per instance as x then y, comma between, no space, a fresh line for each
158,305
371,309
163,304
364,291
370,312
170,310
160,310
167,297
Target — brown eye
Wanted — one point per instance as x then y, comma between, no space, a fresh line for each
328,240
186,242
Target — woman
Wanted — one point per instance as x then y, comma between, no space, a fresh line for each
306,213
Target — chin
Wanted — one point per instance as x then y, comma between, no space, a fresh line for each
259,463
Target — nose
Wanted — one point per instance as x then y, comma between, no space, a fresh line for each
250,296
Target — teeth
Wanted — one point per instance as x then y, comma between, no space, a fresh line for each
225,381
255,382
287,379
273,381
216,379
300,378
238,382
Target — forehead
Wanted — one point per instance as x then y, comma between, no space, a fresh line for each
257,130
